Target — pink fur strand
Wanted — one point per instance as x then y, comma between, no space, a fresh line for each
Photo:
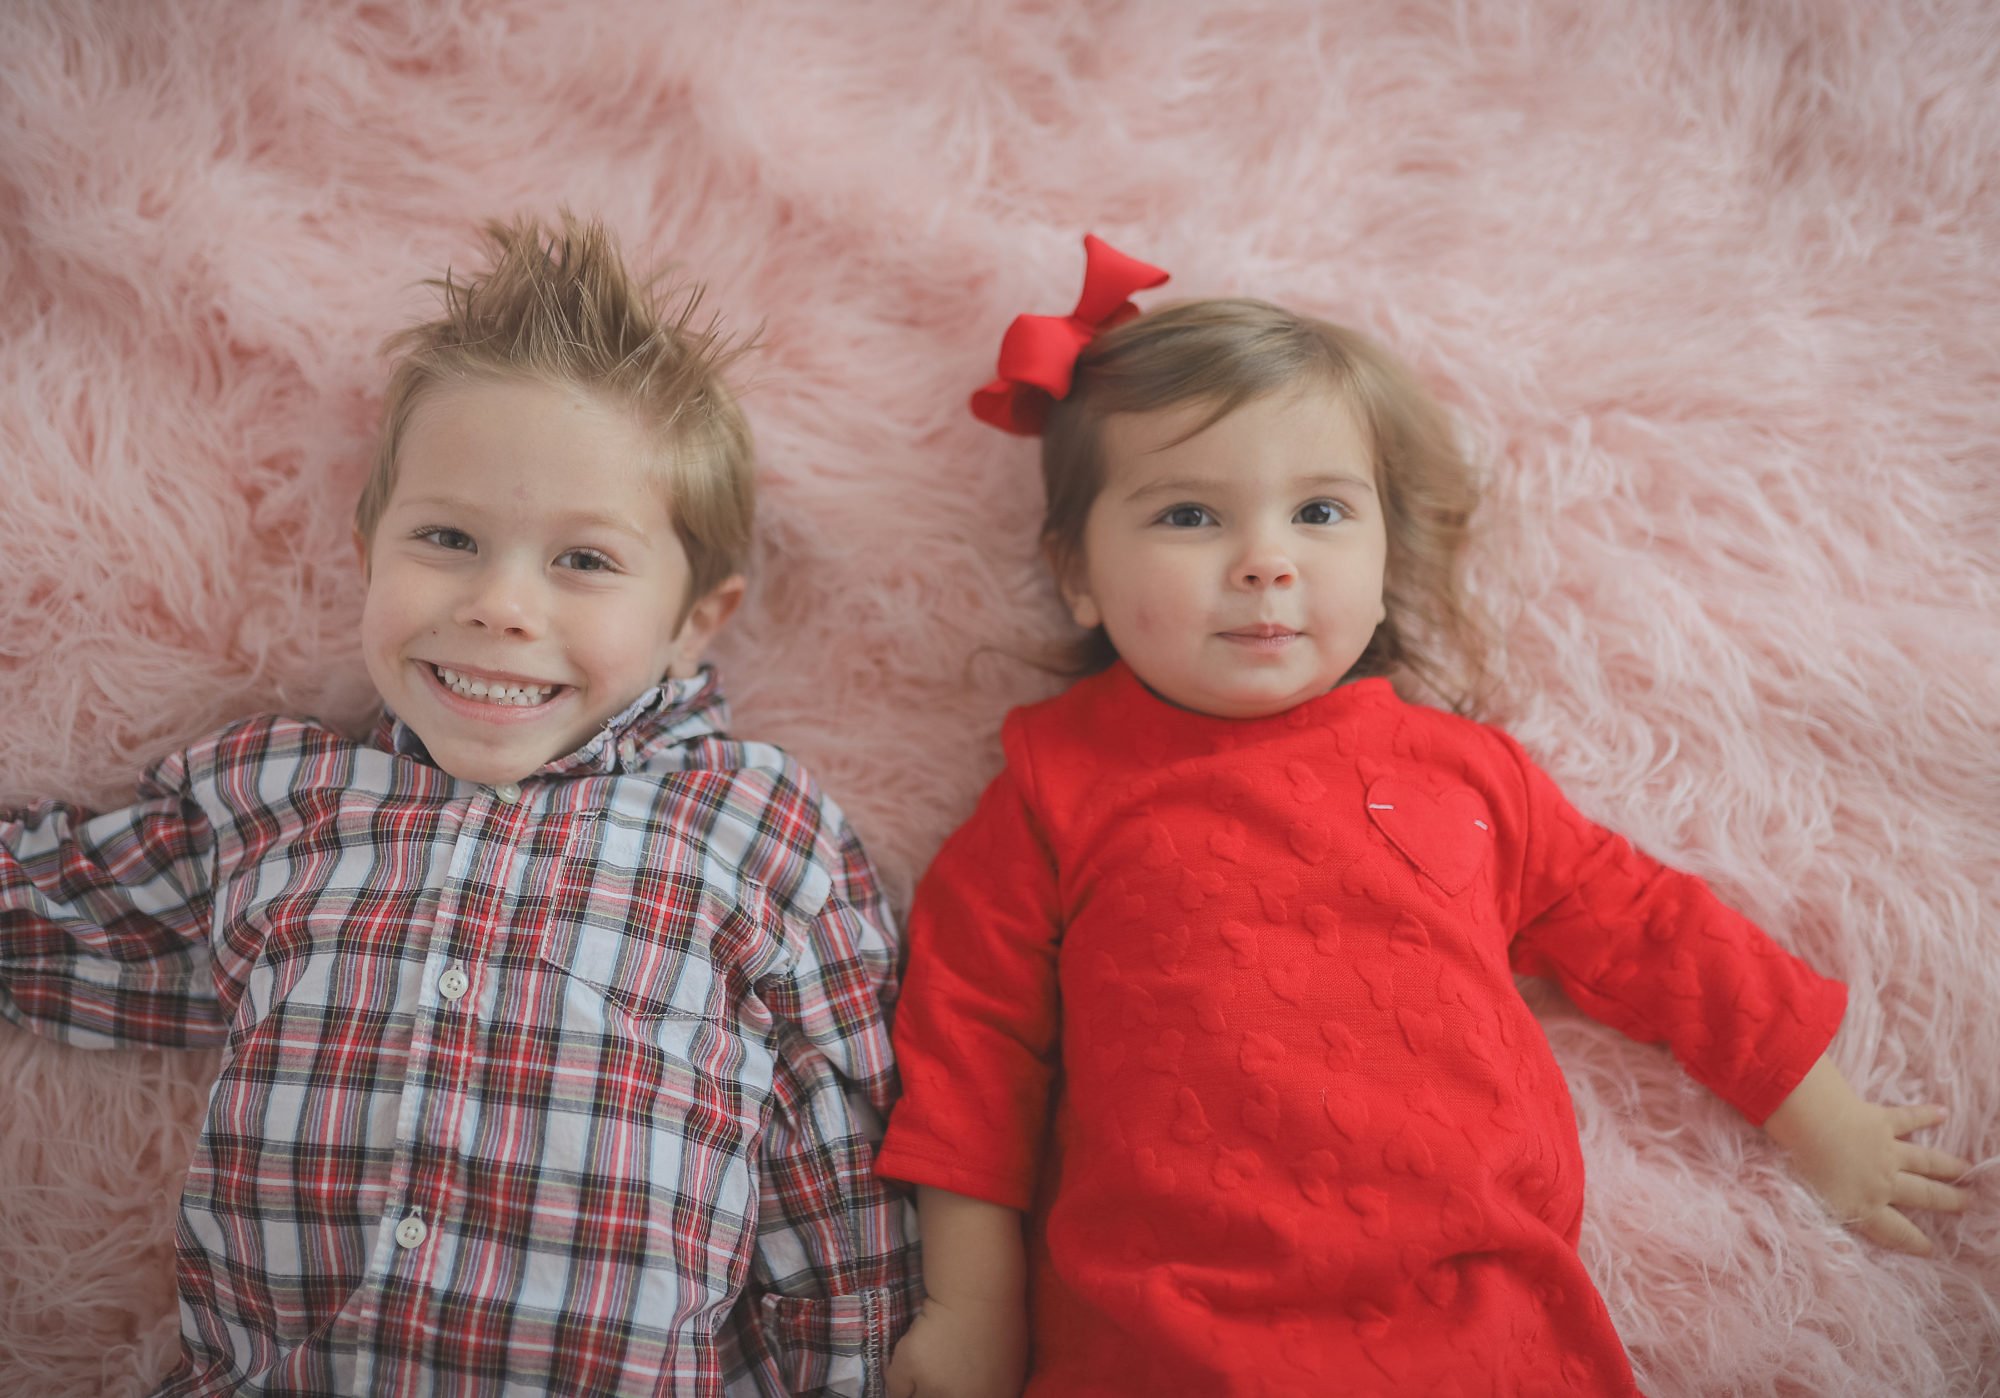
1711,287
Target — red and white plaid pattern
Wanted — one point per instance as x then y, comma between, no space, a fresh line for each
569,1088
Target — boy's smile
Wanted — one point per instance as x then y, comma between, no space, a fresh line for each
474,693
525,583
1237,570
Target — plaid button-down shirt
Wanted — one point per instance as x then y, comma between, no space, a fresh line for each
566,1088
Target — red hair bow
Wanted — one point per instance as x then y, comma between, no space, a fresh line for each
1038,355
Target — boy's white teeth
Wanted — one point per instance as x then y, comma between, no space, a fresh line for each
492,691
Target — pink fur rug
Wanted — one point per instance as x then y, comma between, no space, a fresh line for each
1712,287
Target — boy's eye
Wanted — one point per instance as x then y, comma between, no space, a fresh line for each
456,540
1186,517
585,561
1321,512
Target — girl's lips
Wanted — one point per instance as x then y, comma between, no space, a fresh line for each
1265,639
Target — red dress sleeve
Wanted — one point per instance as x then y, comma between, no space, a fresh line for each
1653,953
976,1029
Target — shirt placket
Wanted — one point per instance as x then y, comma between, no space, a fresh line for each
420,1246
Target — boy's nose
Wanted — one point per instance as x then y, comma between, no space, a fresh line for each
502,599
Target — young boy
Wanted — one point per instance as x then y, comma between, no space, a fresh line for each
553,1017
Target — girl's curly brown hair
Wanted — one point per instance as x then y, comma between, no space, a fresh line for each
1226,352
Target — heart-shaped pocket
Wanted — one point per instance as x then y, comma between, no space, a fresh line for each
1447,834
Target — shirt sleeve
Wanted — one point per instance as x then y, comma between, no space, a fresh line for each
977,1026
104,920
835,1275
1655,954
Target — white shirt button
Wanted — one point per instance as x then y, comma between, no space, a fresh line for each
628,751
411,1232
508,792
453,983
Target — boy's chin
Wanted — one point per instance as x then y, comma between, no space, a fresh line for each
494,764
488,772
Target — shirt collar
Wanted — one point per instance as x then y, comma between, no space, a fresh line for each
673,712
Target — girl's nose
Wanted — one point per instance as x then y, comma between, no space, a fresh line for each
1265,563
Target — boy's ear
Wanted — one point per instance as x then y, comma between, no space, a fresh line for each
704,619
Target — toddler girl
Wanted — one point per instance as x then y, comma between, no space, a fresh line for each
1216,987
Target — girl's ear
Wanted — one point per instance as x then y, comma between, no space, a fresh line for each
361,553
1073,585
1082,608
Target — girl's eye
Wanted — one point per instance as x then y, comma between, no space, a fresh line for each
1186,517
1321,512
457,540
585,561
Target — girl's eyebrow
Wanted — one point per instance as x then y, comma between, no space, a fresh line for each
1176,485
1336,478
1199,485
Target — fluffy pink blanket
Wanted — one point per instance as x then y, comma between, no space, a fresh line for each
1712,287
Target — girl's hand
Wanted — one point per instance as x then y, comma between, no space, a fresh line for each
972,1352
1852,1152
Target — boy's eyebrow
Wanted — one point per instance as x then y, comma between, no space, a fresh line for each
604,520
601,518
1200,485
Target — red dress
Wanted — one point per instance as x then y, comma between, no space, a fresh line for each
1229,1005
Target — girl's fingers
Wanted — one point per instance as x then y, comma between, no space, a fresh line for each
1892,1230
1904,1120
1938,1164
1915,1192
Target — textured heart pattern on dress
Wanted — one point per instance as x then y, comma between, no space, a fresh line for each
1299,1079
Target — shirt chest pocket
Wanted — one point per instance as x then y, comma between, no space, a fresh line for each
1443,828
644,921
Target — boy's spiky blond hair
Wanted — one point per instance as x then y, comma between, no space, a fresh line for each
558,306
